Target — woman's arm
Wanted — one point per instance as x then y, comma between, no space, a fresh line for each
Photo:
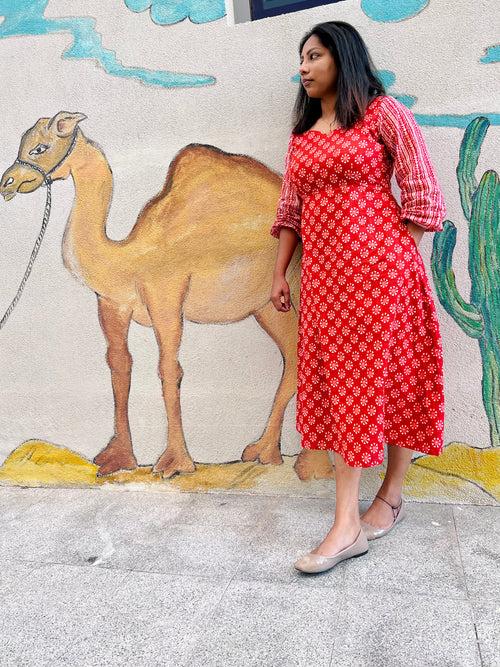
280,290
422,202
287,229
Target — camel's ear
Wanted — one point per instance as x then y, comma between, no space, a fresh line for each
65,122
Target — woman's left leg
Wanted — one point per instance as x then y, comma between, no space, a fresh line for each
379,514
346,525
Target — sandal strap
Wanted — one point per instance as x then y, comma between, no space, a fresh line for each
393,507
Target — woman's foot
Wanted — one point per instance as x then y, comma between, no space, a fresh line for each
313,563
380,514
338,538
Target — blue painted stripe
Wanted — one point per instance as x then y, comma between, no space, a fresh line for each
454,120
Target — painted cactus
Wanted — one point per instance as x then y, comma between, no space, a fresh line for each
480,318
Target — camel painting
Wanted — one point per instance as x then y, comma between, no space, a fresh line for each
200,250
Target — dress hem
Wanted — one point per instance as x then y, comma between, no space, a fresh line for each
371,465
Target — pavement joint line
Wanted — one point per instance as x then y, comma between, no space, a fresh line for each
464,577
477,640
235,579
126,571
469,598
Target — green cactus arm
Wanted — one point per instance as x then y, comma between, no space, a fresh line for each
466,315
470,149
484,246
484,269
491,390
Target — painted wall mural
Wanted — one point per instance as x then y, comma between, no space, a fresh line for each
27,17
199,252
132,283
167,12
492,54
220,207
392,10
480,318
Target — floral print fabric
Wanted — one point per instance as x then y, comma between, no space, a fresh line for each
370,365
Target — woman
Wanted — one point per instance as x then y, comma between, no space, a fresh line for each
370,357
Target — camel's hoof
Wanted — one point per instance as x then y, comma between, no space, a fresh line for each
114,458
264,454
313,465
114,465
169,465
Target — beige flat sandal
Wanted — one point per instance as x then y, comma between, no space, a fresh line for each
314,563
374,532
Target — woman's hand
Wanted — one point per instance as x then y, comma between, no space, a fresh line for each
280,293
416,231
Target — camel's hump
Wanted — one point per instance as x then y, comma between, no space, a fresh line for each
200,171
203,156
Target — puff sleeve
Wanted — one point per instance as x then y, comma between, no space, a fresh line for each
422,201
289,209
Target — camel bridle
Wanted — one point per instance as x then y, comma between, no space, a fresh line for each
47,181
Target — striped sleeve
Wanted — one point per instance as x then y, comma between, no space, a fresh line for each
422,201
289,208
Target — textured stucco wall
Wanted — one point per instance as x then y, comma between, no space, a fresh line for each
55,382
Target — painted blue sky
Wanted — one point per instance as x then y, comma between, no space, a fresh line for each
26,17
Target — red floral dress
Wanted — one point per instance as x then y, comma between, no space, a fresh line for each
370,363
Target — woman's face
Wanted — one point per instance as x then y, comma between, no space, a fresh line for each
318,71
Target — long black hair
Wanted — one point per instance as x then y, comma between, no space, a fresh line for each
357,82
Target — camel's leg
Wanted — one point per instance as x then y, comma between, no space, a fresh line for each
165,309
115,323
282,327
314,464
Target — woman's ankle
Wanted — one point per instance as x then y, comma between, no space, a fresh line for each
347,525
392,494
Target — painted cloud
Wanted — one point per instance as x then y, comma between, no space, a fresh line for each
492,54
166,12
392,10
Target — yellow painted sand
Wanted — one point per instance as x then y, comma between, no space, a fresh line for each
205,478
461,474
39,463
460,461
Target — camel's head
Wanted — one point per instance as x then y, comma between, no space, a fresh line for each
43,152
